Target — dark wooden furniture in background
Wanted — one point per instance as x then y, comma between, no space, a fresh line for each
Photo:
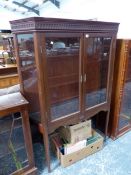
7,69
16,153
8,75
65,69
120,116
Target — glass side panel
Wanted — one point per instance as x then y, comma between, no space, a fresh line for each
125,111
29,73
13,154
63,75
97,52
26,49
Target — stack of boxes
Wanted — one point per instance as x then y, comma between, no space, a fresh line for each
76,142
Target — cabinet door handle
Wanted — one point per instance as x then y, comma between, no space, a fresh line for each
81,79
85,78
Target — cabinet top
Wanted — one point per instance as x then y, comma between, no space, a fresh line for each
64,25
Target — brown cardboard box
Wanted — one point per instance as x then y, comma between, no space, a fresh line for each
93,146
76,133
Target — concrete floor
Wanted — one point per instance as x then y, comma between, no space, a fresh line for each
113,159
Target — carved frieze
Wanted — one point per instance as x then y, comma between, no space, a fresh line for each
46,24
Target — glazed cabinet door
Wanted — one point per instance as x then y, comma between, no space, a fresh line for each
13,153
63,67
97,49
125,104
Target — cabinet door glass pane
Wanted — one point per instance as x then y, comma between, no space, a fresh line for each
96,73
125,111
13,155
63,75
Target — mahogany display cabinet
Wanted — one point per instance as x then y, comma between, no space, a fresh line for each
120,116
65,69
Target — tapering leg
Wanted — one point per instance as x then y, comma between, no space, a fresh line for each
106,124
47,150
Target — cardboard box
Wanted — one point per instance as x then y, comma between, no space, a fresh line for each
76,133
95,144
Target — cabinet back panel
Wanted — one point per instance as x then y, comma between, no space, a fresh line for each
63,77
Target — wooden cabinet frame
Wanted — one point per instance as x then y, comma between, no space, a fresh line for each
120,75
48,27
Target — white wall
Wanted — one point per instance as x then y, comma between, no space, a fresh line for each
6,16
102,10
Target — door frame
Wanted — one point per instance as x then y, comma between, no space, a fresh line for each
73,117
